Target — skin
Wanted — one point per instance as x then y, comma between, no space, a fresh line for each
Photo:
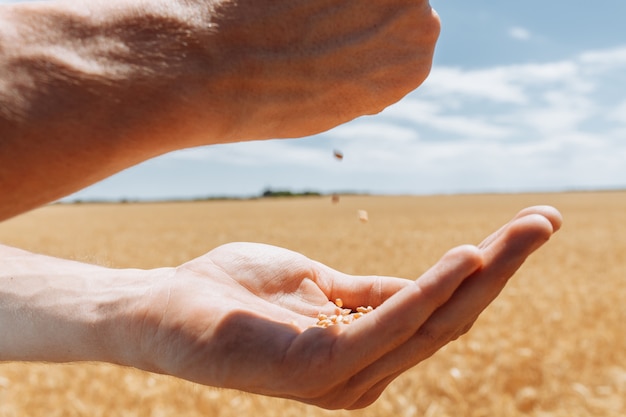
89,88
109,84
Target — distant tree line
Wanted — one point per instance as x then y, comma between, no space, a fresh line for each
267,193
286,193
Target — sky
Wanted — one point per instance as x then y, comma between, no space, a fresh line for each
523,96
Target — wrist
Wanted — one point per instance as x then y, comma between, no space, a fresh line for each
125,313
55,310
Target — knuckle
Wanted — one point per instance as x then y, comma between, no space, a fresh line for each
463,330
435,337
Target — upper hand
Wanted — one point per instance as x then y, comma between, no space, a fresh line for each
295,68
306,66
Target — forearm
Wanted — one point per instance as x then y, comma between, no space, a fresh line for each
89,89
57,310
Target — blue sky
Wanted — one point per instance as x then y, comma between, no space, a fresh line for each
523,96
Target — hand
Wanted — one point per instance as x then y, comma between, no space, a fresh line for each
240,317
301,67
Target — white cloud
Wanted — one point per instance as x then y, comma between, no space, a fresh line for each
611,58
519,33
489,84
420,113
618,113
505,84
556,111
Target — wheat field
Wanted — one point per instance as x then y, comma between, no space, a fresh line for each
552,344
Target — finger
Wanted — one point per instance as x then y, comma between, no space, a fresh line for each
501,259
355,291
372,394
550,213
395,321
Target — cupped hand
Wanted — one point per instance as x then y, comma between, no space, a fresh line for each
242,316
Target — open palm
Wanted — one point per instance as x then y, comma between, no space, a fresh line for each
241,316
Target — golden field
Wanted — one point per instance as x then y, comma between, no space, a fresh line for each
552,344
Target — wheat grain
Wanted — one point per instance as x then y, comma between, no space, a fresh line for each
342,315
